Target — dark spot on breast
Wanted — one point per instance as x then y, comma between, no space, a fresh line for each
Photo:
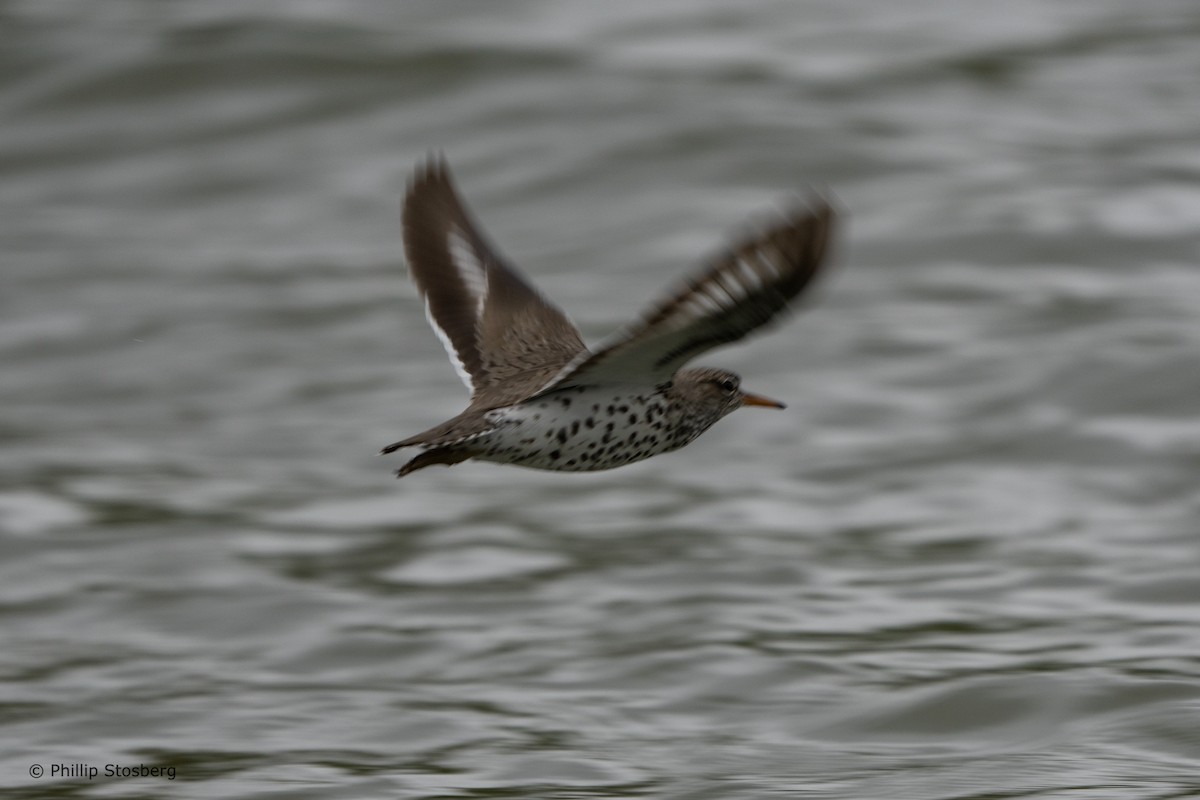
571,463
612,410
624,409
590,422
562,435
633,419
566,401
575,427
554,455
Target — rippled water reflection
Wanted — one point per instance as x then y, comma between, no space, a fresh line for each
961,565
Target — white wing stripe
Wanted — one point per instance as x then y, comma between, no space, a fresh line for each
472,273
751,279
731,288
707,302
765,270
459,367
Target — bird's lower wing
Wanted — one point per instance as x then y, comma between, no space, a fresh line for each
738,293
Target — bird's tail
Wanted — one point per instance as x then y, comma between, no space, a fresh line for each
448,456
394,446
448,443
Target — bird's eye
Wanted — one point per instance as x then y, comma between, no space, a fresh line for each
729,385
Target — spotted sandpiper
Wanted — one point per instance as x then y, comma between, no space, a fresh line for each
539,397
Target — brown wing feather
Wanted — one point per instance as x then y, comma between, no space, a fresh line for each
503,336
740,292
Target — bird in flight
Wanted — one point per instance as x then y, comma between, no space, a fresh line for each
539,397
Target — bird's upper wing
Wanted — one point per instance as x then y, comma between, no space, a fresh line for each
505,339
740,291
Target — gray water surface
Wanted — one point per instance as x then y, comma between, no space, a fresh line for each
964,563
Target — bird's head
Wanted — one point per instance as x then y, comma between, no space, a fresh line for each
717,391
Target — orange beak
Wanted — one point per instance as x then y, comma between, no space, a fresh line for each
758,400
